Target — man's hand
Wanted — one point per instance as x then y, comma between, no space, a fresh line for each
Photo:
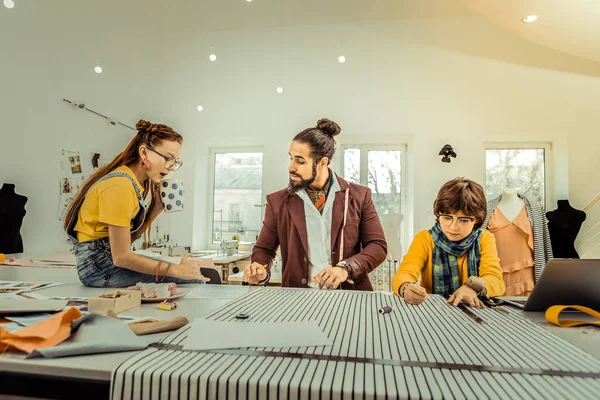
466,295
331,277
255,273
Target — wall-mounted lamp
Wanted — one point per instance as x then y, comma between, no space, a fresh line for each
447,151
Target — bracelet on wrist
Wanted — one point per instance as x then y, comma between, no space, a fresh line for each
157,271
477,284
166,272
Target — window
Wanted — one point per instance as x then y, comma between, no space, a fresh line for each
381,169
234,211
522,167
237,195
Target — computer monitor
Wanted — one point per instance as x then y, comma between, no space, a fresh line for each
567,281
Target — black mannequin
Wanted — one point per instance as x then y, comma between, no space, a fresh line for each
564,224
12,212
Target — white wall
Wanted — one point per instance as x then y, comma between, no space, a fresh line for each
424,82
48,52
404,82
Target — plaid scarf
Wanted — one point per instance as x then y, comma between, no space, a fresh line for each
446,278
319,197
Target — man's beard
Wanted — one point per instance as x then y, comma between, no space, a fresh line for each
304,183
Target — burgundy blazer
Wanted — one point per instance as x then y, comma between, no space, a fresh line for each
285,225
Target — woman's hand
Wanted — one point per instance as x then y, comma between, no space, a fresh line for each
188,269
466,295
414,294
157,207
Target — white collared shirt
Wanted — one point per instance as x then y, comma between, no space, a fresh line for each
318,231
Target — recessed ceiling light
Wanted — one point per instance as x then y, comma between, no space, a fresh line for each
530,18
279,89
248,1
212,57
342,59
9,3
98,69
199,108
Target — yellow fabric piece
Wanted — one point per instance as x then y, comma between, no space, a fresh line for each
553,312
417,264
110,202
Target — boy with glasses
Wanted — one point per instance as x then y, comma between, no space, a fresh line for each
456,258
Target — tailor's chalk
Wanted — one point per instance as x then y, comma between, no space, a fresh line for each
385,310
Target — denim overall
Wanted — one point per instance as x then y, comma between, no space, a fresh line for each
94,259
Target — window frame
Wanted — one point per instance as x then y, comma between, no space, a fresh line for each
213,151
364,177
548,172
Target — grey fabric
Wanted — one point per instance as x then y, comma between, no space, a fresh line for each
542,248
95,334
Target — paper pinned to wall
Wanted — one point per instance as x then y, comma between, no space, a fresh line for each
207,334
71,179
73,172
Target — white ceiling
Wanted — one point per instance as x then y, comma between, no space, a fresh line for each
570,26
217,15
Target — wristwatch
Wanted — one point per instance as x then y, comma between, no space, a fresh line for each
404,286
477,284
347,267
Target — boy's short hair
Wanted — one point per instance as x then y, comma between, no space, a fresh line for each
462,194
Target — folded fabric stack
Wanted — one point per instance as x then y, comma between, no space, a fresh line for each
156,290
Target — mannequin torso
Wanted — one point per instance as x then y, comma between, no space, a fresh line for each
391,222
564,224
511,204
12,212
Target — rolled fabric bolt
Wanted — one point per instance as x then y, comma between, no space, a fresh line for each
385,310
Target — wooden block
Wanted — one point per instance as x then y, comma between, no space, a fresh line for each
115,301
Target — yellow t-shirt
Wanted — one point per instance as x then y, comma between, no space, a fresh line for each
110,202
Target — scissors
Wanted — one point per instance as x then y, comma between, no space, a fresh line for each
496,304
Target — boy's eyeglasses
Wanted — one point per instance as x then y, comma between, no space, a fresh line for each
462,221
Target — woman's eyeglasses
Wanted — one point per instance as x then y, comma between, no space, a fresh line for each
171,163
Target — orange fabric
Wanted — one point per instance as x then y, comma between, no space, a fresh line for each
514,241
47,333
553,312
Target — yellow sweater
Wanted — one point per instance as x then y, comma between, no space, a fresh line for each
417,263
